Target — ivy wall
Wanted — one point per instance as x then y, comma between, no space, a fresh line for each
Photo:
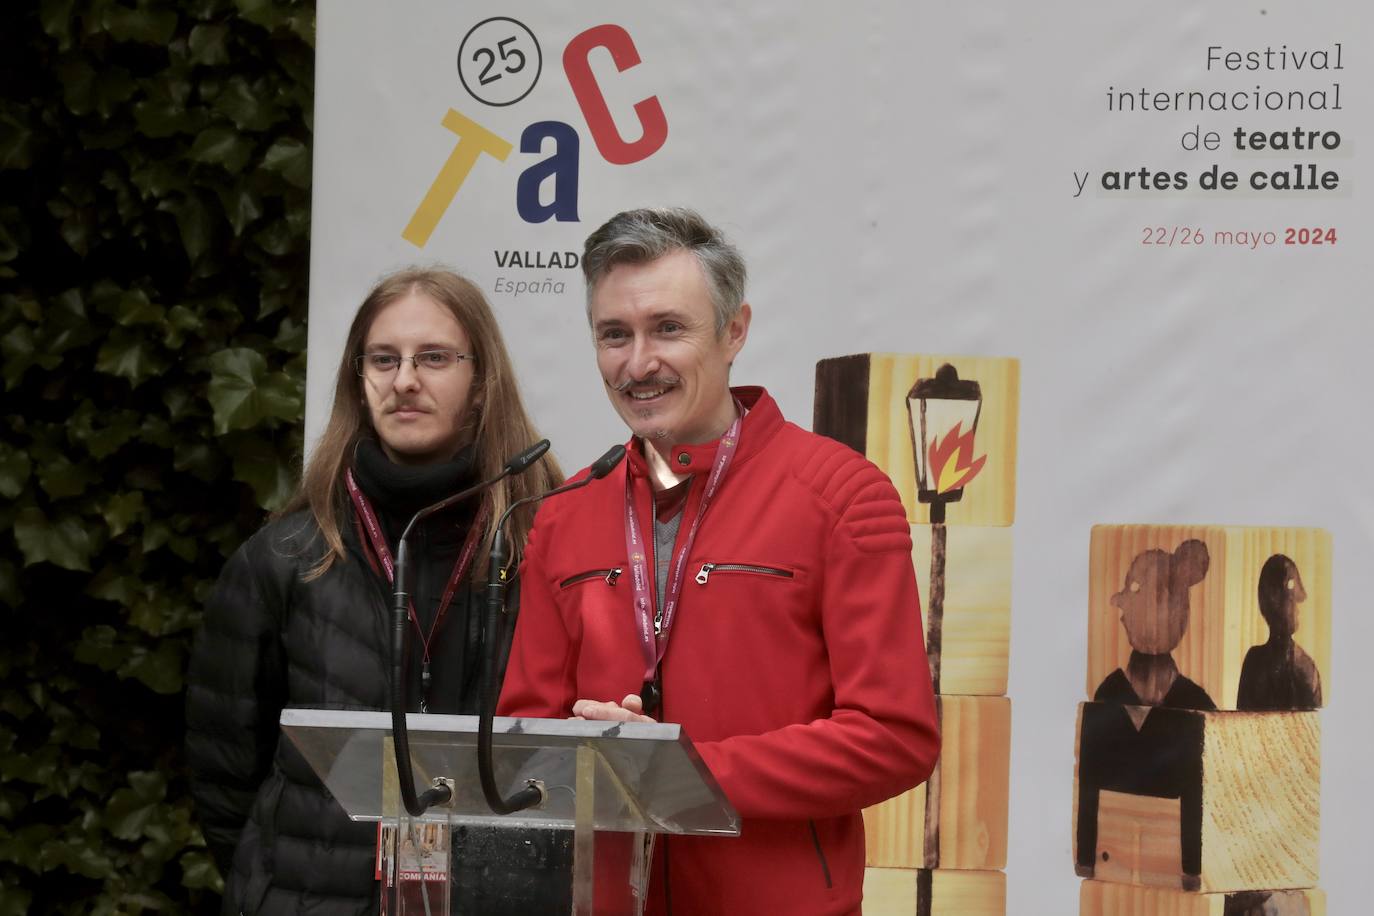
154,237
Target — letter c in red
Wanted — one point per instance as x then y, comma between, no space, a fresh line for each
612,146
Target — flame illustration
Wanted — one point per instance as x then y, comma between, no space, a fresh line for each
951,464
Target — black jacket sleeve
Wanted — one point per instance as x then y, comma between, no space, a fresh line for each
236,688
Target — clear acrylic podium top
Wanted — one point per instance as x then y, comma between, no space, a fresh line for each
648,777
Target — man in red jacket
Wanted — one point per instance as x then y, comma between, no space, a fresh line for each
737,575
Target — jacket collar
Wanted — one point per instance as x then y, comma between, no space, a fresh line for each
761,423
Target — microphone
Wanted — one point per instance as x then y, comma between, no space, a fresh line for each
529,456
400,604
533,793
400,595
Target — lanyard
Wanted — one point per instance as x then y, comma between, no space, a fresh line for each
383,553
654,628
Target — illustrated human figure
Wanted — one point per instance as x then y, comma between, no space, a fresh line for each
1154,612
1279,674
1158,754
1266,903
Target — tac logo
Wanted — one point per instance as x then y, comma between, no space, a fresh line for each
499,63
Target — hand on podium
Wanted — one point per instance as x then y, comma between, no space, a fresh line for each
630,709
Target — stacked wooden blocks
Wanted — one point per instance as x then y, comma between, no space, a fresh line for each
944,429
1198,761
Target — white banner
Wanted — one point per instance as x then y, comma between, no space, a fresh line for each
1161,210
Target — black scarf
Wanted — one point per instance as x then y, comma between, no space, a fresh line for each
398,491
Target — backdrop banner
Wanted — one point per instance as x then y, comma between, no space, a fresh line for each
1158,209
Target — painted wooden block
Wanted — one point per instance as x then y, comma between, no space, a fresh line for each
974,626
941,892
1200,801
1201,616
866,401
958,818
1101,898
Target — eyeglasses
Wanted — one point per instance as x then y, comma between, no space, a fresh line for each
383,365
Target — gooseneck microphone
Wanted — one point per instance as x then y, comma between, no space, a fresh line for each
400,608
497,580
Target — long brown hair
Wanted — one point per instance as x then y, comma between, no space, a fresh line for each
502,426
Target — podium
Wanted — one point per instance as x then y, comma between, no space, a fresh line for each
598,779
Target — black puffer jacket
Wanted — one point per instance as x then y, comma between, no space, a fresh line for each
271,640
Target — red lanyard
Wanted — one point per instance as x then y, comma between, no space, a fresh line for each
383,552
654,628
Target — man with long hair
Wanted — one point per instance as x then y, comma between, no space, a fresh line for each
425,404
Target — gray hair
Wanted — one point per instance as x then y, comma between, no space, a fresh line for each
645,235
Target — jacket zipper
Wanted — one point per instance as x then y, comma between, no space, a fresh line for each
820,853
610,575
704,575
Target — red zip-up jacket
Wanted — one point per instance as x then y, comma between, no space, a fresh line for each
796,661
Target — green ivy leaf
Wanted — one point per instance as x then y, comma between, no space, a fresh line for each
257,463
76,226
25,848
180,322
130,355
131,809
242,205
262,12
14,471
14,233
195,221
148,26
155,430
160,669
302,25
179,402
222,146
233,388
199,459
17,706
249,107
155,534
209,44
16,900
291,159
243,392
77,78
56,18
16,142
291,336
61,478
110,585
120,426
163,112
198,871
276,238
21,352
66,325
122,510
100,646
66,543
159,179
135,308
78,854
159,615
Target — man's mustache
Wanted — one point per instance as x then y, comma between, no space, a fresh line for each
653,381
